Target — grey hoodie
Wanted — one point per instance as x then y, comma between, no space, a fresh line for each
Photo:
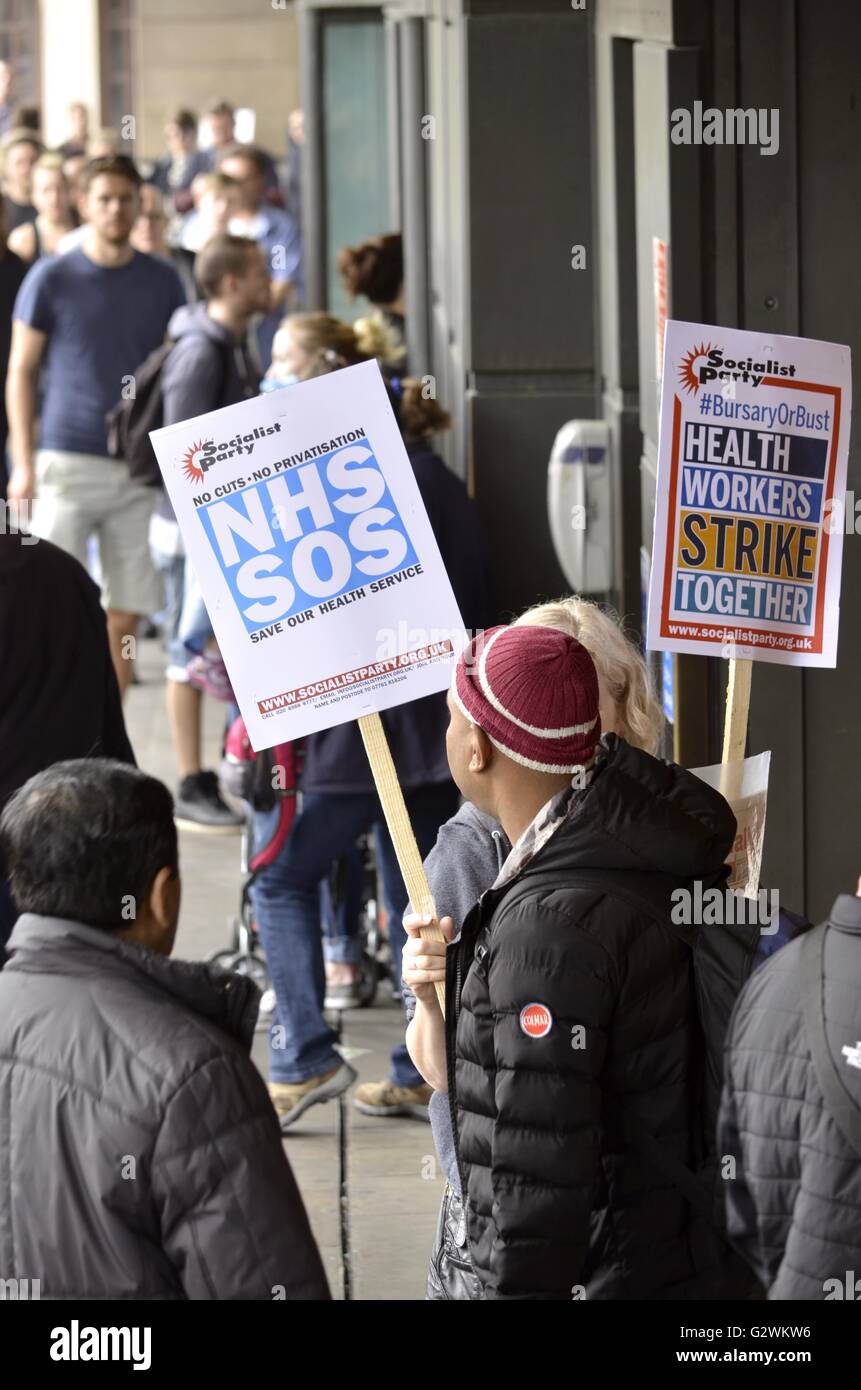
140,1156
208,369
470,850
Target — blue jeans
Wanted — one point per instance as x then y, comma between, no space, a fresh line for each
287,909
340,906
188,620
171,568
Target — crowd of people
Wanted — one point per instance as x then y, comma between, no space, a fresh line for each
98,255
571,1083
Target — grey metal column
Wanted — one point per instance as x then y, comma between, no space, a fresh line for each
414,206
313,170
770,258
393,102
526,343
615,252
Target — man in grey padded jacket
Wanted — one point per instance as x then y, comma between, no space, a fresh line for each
791,1114
140,1156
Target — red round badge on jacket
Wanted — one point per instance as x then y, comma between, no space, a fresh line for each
536,1020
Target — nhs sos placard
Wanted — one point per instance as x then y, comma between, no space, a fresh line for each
309,532
303,521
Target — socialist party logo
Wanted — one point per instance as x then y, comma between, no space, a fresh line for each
704,364
200,456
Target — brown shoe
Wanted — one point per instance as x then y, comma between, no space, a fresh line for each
381,1098
292,1098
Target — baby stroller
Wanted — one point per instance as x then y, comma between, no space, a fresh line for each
264,782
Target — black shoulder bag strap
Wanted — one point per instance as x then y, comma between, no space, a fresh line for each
840,1105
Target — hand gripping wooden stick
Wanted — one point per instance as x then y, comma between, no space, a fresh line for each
400,829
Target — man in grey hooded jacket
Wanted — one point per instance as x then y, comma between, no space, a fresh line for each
209,368
140,1156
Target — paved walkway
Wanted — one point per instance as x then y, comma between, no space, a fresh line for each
394,1188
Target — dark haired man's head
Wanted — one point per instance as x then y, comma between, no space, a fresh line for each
181,132
247,166
94,841
232,271
186,120
118,166
111,197
219,118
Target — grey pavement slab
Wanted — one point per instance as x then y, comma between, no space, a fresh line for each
394,1187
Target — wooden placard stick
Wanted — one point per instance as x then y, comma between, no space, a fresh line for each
397,819
735,726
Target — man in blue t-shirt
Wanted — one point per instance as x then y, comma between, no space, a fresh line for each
83,325
275,233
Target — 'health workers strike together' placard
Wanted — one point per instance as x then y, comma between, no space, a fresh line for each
754,441
304,524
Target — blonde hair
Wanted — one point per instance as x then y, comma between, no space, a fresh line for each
377,339
324,339
51,162
619,664
330,344
212,182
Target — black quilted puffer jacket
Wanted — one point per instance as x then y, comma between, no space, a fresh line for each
559,1205
794,1206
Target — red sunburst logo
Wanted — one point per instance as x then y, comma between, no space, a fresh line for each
190,466
688,370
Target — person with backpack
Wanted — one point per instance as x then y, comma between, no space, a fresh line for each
790,1121
572,1045
207,366
472,847
83,324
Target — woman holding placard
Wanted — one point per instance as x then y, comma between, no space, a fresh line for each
339,797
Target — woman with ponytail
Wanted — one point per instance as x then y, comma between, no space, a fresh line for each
375,269
302,344
309,345
339,797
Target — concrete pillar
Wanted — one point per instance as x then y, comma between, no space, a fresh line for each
69,44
